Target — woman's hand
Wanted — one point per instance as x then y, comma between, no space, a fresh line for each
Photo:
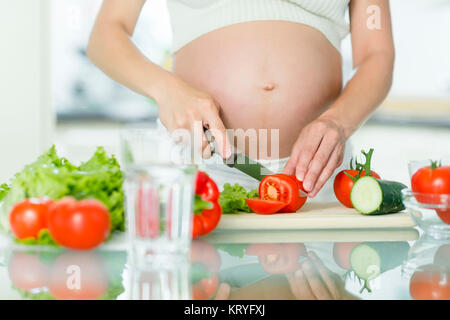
318,151
184,107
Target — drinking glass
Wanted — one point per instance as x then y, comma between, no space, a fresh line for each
159,187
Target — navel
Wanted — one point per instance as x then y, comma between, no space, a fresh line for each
268,86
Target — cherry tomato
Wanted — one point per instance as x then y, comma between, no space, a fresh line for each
283,188
264,206
28,217
341,253
78,276
430,282
343,185
27,271
79,224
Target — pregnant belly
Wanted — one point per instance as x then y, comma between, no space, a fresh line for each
265,75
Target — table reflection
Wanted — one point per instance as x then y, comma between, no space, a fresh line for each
356,267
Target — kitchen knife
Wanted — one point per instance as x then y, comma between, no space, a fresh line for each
240,161
243,163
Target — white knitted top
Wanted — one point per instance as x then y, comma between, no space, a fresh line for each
192,18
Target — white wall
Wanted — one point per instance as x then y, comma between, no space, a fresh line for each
26,119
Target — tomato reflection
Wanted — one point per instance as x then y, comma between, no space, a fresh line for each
432,281
67,275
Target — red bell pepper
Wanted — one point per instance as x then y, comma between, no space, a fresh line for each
207,211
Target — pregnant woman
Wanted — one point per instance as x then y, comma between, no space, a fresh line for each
259,64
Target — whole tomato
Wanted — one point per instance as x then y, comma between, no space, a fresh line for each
433,179
344,181
80,225
27,218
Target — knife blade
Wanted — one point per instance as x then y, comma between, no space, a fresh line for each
241,162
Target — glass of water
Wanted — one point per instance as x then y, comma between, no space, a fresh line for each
159,189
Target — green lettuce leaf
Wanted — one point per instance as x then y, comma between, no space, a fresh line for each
232,198
4,189
51,176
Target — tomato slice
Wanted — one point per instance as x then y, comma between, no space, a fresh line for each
284,188
261,206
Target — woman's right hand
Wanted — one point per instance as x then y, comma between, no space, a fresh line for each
183,107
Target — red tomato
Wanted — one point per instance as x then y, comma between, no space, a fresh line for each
444,214
78,276
341,253
265,206
79,224
284,188
343,185
28,217
430,282
431,180
205,288
27,271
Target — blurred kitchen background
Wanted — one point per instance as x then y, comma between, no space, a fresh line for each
51,93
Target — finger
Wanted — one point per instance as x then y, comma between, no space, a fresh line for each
307,149
318,162
218,131
327,172
289,168
223,292
317,286
326,275
299,285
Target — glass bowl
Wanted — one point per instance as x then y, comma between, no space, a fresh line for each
431,212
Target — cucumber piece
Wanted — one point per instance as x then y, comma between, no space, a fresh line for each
366,263
368,260
372,196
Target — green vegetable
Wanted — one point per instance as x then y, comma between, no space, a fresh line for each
44,238
232,198
4,189
233,249
54,177
373,196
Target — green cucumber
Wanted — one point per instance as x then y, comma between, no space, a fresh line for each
372,196
368,260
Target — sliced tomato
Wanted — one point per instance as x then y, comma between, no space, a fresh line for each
261,206
283,188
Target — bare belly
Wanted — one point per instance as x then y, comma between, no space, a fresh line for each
265,75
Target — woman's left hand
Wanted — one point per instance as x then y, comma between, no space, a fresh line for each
318,151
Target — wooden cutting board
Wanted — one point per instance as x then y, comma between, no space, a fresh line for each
314,216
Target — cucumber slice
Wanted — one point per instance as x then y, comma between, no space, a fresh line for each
372,196
366,264
368,260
